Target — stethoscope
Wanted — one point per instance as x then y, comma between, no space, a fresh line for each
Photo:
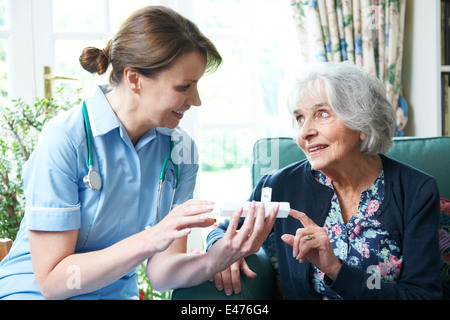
162,177
93,180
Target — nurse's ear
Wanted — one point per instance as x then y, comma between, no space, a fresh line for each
132,79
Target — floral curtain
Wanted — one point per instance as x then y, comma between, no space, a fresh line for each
366,32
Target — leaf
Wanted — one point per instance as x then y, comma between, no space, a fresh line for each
391,73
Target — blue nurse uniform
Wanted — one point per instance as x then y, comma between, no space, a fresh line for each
57,199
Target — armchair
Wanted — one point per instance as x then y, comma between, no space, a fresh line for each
431,155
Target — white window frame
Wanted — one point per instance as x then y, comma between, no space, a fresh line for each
29,48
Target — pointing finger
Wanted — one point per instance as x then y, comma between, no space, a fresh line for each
288,239
304,219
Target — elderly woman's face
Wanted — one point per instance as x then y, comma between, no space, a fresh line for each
323,137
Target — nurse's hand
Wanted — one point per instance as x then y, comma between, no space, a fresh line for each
179,222
238,244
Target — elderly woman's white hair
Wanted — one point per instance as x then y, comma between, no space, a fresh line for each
356,97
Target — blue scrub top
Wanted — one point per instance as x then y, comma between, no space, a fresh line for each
58,200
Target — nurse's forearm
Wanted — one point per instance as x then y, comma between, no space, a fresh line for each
62,274
77,274
173,268
179,270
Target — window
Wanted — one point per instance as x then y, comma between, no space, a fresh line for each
4,34
75,28
246,98
243,101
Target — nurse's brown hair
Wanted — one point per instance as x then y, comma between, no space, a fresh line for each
149,41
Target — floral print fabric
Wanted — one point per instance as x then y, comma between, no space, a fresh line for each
362,242
368,33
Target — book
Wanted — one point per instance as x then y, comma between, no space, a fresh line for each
445,103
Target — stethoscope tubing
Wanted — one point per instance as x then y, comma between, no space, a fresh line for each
88,134
93,179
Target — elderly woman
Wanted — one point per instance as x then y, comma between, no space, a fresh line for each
362,225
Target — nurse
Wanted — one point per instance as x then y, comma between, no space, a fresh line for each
75,242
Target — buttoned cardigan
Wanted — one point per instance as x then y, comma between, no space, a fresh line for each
409,212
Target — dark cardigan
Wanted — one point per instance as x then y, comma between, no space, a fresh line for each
409,212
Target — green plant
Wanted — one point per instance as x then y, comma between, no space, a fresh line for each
20,125
146,290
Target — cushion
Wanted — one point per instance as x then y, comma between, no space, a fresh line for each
444,245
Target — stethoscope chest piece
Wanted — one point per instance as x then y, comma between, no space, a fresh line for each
93,180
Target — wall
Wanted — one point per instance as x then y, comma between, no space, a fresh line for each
421,67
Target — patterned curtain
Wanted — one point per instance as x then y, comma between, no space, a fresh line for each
366,32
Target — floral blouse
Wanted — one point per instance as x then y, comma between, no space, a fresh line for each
362,242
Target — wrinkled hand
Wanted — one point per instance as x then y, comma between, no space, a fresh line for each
312,243
229,279
231,250
179,222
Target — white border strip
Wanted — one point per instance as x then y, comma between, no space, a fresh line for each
54,209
